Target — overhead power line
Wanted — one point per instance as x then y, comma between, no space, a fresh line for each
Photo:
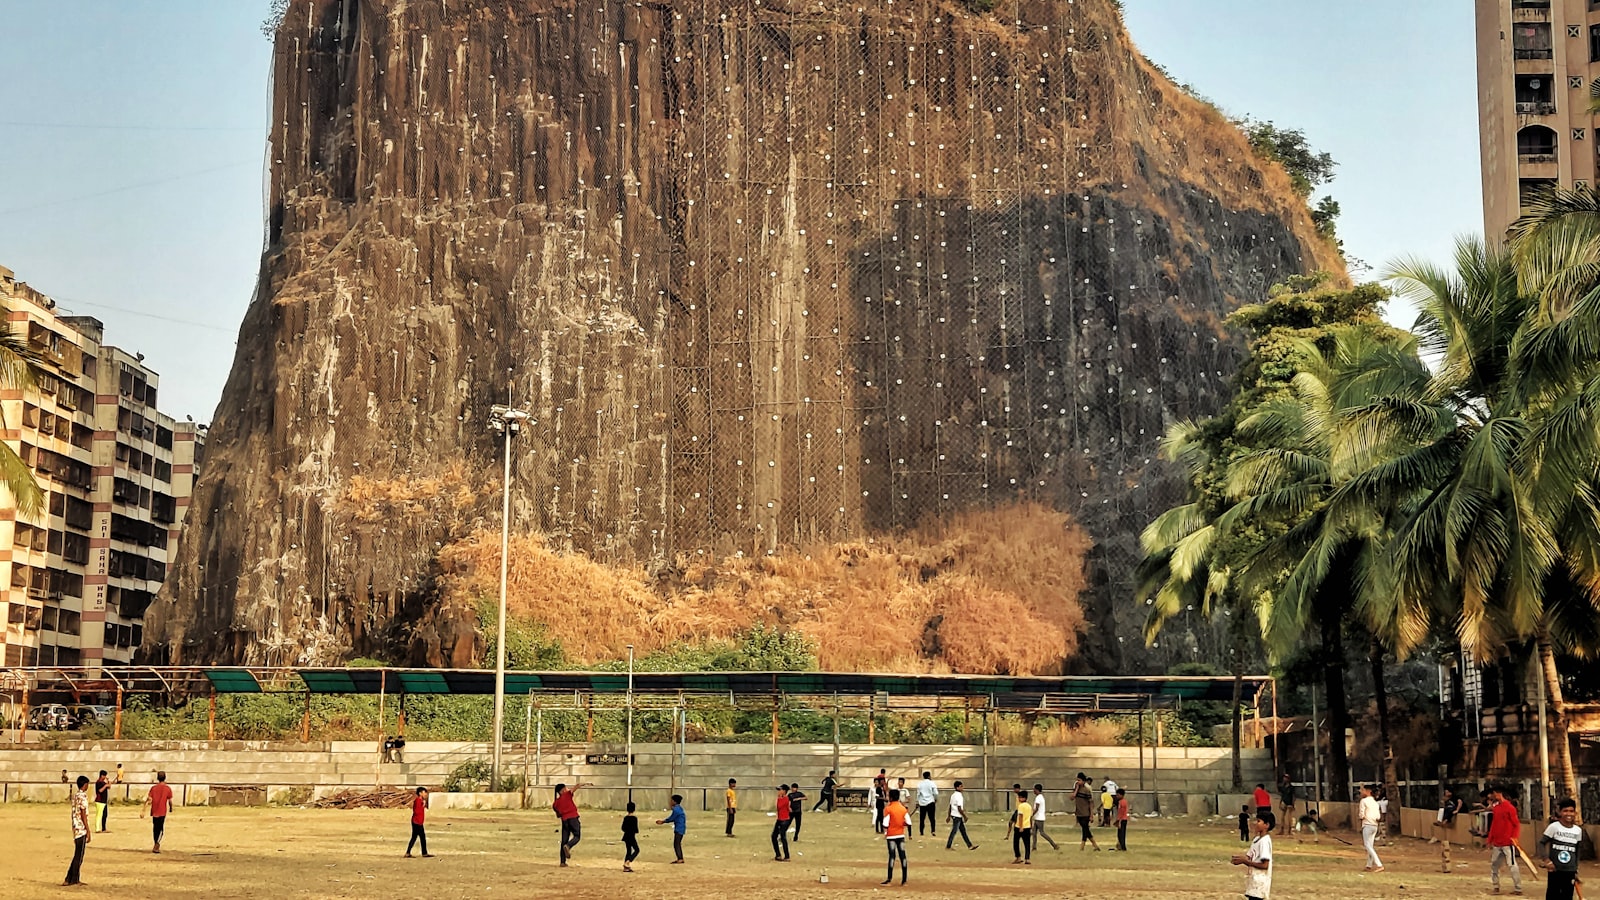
117,190
94,126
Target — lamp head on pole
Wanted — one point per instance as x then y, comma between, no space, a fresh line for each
505,420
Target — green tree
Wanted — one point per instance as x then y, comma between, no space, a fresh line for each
1192,557
1288,147
1334,567
1507,531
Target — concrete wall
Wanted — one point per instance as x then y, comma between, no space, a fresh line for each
284,771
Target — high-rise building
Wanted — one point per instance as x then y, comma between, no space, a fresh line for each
76,578
1536,61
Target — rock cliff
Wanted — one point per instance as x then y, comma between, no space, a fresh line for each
764,272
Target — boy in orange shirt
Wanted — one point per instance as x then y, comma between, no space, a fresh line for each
894,832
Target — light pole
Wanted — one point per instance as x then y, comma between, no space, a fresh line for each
630,721
505,421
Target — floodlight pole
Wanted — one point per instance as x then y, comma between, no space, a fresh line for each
506,421
630,722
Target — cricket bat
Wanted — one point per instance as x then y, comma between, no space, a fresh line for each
1523,855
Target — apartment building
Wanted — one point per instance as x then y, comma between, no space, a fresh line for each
117,475
1536,62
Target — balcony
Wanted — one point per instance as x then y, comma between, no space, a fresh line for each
1534,53
1537,108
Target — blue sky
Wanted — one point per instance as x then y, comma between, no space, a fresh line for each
132,136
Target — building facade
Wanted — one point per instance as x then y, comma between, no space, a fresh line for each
116,475
1536,62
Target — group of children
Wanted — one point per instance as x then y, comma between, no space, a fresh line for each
157,805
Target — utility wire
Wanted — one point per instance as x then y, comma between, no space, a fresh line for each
118,190
68,301
86,126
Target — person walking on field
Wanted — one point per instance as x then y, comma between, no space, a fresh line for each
880,798
419,815
1082,805
630,838
1039,819
1564,838
1122,820
733,803
80,830
1505,829
780,828
896,825
797,808
1449,808
1257,861
829,784
1263,802
1108,802
159,803
1021,831
566,809
1370,815
680,825
927,804
1285,802
958,818
102,797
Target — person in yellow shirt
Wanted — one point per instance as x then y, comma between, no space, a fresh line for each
733,802
894,832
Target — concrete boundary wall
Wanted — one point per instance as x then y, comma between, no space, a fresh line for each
208,772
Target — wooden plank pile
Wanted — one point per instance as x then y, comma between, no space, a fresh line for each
377,798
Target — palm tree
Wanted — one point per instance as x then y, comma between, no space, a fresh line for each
1184,566
1334,565
17,363
1511,512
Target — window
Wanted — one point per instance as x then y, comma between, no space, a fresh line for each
1529,188
1535,95
1594,43
80,513
1536,143
1531,40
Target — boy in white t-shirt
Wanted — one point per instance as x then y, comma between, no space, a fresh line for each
1257,861
1563,838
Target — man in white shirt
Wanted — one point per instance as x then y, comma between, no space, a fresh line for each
927,804
1257,861
1108,801
1039,819
1369,813
958,818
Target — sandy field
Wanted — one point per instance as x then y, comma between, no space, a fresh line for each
305,853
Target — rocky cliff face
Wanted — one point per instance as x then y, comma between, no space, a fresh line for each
765,272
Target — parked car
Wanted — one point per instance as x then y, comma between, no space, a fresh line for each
50,717
86,714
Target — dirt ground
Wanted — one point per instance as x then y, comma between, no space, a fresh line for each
304,853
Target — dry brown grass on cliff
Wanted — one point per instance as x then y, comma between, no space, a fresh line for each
446,495
991,591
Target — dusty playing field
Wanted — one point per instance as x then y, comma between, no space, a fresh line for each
277,853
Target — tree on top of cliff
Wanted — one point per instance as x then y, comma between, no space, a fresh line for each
276,10
1289,147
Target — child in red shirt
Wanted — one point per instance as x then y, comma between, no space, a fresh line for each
419,810
1122,820
159,800
780,829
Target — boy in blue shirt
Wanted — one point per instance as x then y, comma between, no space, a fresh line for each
680,824
630,838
